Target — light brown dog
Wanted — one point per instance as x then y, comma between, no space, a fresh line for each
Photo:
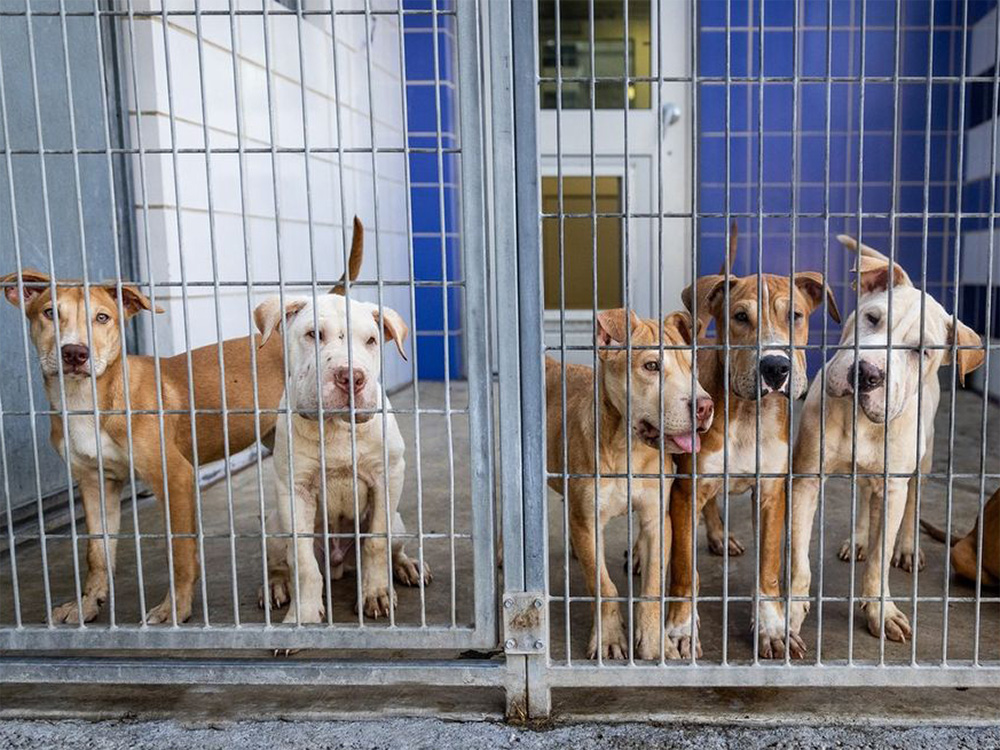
963,548
784,311
628,388
89,351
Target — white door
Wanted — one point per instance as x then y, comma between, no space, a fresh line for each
585,146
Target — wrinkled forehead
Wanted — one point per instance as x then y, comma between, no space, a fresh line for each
909,307
767,290
72,298
333,311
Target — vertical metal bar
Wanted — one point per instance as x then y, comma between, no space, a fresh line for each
474,248
760,314
439,147
727,209
249,269
525,19
695,255
218,324
959,184
987,336
171,114
630,631
414,368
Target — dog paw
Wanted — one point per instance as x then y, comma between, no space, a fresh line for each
70,612
859,551
894,623
408,571
904,560
680,636
284,653
279,594
771,642
377,601
717,545
647,645
308,613
163,612
797,612
614,643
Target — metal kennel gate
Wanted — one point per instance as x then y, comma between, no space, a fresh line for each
519,635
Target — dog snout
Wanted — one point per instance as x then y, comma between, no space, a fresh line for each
704,409
774,371
343,377
869,377
75,355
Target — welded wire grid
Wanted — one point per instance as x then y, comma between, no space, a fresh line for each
252,133
857,122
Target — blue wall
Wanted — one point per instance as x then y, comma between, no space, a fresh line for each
839,161
434,187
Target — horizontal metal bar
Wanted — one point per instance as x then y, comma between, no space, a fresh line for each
157,14
346,635
768,215
620,80
237,535
230,412
112,671
758,347
582,599
268,150
834,674
775,475
306,285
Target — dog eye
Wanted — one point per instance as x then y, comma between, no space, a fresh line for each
797,315
313,335
102,318
872,318
741,317
653,365
47,312
372,341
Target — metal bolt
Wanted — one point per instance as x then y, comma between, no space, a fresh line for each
508,603
538,603
511,643
539,645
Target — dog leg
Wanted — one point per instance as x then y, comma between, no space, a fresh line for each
682,628
612,643
884,616
177,494
770,619
716,531
858,550
653,541
306,603
278,577
405,569
907,553
376,585
95,587
805,498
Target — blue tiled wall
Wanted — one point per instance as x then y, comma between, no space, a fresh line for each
434,187
855,166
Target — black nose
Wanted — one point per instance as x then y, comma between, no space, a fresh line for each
74,355
869,376
774,370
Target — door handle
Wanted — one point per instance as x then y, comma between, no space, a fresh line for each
670,113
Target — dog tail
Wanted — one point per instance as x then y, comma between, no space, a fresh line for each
733,234
935,533
354,261
861,249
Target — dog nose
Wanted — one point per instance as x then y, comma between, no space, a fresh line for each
74,355
774,370
869,376
704,408
344,376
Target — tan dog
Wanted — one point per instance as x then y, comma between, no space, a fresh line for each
651,425
748,375
963,549
88,351
903,370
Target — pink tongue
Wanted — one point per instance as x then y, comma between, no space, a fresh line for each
687,442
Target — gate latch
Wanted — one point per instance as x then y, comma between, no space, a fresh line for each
524,622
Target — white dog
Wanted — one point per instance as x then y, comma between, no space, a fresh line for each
380,456
889,351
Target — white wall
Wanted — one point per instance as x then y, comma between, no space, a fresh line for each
259,244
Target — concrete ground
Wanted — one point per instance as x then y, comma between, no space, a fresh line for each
446,517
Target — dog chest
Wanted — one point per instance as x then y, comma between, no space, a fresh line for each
742,444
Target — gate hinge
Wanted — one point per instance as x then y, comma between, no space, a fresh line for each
524,622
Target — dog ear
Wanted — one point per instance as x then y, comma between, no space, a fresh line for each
967,359
702,290
393,328
133,301
873,267
33,283
610,328
268,315
811,284
682,322
715,296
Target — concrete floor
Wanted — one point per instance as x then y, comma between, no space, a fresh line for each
438,511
